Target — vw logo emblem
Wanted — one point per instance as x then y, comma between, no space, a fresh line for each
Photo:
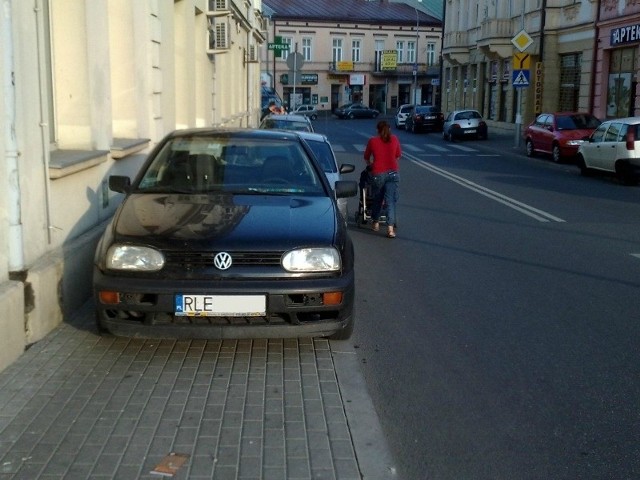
222,261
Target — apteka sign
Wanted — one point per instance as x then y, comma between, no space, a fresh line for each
628,34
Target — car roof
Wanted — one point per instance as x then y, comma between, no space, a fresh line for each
236,132
318,137
288,116
630,120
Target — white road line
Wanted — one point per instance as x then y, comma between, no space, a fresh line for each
338,148
437,148
637,255
411,148
463,148
528,210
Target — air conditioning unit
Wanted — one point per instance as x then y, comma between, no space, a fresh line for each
252,54
218,37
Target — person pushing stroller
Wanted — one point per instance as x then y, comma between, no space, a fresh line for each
382,154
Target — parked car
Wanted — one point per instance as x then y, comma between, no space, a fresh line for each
355,110
461,124
559,134
227,234
307,110
424,117
402,114
324,153
613,147
287,121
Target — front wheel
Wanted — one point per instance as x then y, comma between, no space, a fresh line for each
529,147
374,115
556,155
582,165
351,116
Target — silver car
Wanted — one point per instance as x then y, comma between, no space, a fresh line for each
325,154
307,110
461,124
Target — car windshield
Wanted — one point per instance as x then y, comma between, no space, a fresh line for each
427,109
202,164
577,122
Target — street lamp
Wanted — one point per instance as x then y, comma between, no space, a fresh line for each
415,64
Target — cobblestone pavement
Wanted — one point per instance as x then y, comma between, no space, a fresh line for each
80,406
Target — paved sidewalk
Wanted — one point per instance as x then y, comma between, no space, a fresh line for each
80,406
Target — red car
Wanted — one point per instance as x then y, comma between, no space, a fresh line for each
559,134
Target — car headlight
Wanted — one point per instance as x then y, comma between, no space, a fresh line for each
575,143
312,260
134,258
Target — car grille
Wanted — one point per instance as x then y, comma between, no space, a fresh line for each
205,259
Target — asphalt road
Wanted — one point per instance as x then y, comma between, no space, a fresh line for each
499,334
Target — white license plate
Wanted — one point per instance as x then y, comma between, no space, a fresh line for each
220,305
470,131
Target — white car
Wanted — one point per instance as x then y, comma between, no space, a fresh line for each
613,147
325,154
287,121
402,114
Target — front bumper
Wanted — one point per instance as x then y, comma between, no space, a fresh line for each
295,308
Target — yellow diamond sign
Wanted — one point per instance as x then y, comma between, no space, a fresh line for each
522,41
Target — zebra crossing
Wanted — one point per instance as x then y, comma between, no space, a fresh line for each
427,149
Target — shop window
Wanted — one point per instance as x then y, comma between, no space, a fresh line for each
620,91
570,82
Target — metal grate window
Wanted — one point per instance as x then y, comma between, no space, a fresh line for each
570,82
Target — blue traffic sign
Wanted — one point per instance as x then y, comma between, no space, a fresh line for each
521,78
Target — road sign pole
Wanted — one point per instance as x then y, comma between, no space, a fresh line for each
518,117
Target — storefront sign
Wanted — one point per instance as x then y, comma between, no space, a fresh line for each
357,79
301,79
344,66
628,34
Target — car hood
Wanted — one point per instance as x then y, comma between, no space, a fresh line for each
575,134
226,221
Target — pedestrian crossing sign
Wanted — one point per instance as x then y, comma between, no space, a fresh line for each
521,78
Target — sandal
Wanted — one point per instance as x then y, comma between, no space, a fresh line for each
375,226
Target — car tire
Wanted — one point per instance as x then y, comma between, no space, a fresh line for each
556,155
351,116
313,117
582,165
375,115
625,174
531,152
346,332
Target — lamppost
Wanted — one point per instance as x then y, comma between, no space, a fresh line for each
415,64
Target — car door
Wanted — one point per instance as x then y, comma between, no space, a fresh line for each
608,152
591,150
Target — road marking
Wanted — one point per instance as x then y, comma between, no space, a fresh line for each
637,255
338,148
463,148
528,210
437,148
412,148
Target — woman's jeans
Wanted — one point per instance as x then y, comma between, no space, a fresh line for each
385,191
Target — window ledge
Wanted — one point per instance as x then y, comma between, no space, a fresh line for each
123,147
68,162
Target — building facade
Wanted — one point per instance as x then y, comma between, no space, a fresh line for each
88,88
382,54
508,77
617,64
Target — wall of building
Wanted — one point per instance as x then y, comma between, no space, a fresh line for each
88,88
478,38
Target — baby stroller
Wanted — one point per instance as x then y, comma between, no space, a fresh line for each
363,215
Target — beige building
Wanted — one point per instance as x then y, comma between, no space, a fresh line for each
380,53
552,62
88,88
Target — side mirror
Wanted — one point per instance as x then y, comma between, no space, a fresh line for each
347,168
119,183
346,188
